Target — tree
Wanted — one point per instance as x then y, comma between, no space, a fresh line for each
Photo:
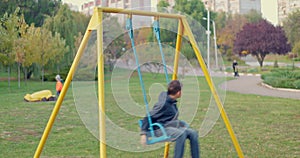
114,41
59,49
195,9
220,20
19,47
34,11
253,16
227,34
260,39
43,42
229,26
169,24
8,36
80,22
48,47
78,38
296,49
291,27
163,4
67,24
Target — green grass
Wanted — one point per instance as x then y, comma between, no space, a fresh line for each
265,126
279,58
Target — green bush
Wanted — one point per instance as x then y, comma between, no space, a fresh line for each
276,64
283,78
296,84
85,75
51,76
253,70
228,69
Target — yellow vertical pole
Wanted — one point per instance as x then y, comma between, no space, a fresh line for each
101,102
178,48
62,95
212,88
175,70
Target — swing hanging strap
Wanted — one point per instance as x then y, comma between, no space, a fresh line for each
156,30
130,33
153,139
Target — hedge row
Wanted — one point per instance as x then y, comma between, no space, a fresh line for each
283,78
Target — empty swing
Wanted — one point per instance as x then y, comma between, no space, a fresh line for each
152,138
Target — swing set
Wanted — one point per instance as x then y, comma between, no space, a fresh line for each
96,24
152,139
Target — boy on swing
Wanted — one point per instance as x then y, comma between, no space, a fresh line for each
165,112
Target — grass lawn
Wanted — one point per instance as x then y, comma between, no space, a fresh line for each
265,126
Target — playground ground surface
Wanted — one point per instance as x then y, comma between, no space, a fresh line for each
266,126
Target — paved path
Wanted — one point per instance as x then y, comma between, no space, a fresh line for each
246,84
253,85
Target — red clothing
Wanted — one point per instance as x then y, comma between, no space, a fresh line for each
59,86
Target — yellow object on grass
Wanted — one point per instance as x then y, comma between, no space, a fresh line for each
44,95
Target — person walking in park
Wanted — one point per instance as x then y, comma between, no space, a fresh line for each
235,68
166,113
59,85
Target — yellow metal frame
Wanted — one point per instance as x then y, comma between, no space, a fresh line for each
96,24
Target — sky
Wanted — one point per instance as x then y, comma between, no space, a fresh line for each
269,10
268,7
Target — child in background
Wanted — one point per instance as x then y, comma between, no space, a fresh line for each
59,85
235,68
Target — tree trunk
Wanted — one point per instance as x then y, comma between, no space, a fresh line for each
259,59
8,77
57,69
19,75
25,75
29,74
260,63
42,69
42,74
262,57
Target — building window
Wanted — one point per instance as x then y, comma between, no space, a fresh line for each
98,2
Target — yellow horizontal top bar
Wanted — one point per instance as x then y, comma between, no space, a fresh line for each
139,12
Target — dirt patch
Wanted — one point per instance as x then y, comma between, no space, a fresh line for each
30,132
16,138
5,134
19,135
11,136
5,79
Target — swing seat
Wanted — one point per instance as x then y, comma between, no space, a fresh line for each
151,138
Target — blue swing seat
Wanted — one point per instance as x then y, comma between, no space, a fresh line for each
152,138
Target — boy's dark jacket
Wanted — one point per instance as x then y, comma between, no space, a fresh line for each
164,112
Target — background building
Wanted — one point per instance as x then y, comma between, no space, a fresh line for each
233,6
285,7
88,7
73,7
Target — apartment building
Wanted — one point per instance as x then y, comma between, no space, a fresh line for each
145,5
233,6
73,7
87,8
286,7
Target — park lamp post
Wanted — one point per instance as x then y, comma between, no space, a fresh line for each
215,40
208,37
